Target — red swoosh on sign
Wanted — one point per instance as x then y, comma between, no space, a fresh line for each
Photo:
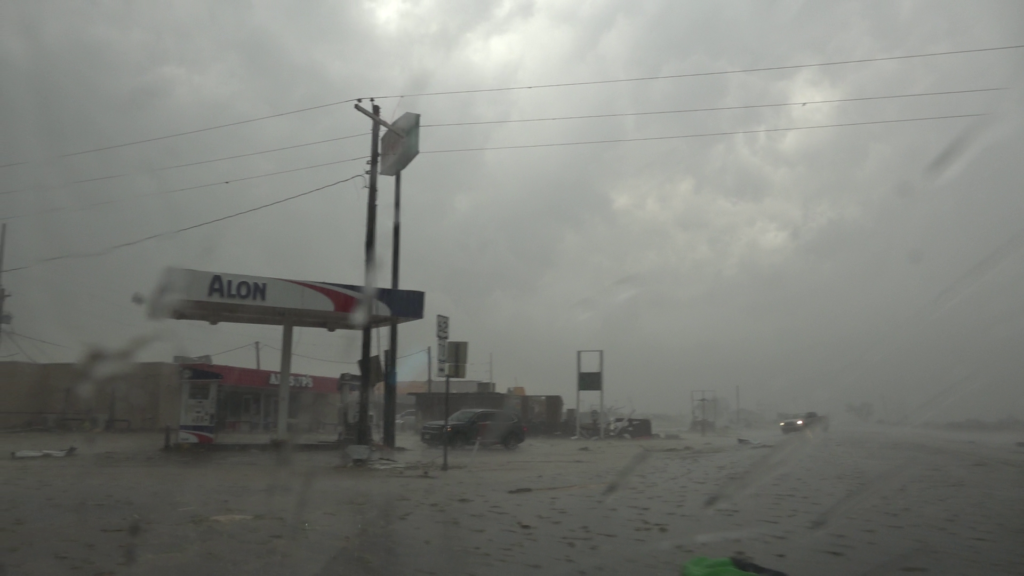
342,302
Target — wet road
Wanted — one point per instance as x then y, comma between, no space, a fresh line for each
846,502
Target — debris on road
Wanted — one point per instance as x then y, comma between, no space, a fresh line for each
43,453
230,518
701,566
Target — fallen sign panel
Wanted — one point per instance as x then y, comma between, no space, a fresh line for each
215,297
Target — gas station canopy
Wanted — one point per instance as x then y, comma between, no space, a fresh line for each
220,297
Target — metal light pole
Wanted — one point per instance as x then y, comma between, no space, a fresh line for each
391,382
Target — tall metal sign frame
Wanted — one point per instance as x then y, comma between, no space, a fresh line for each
589,382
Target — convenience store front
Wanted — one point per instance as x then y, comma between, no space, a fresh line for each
244,400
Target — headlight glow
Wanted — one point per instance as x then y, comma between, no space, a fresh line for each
799,421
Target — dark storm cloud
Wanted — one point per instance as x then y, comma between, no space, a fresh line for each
839,263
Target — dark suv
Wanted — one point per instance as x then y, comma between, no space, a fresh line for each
466,427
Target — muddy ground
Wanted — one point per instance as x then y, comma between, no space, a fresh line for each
852,501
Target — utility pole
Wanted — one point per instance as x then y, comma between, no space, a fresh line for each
363,433
737,407
3,293
444,431
257,355
400,147
391,382
430,371
490,370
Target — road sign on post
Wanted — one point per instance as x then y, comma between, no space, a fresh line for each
457,353
400,145
590,381
442,345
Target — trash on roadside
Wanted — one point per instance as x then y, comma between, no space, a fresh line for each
701,566
43,453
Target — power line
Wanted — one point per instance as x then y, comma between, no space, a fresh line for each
38,340
487,122
340,361
178,231
705,135
217,127
233,349
648,138
716,109
186,165
58,210
20,349
538,87
313,357
699,74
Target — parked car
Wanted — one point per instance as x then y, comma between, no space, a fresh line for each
804,422
465,427
405,420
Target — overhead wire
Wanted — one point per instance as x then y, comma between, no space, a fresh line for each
700,74
511,147
110,249
233,349
312,357
339,361
185,165
18,346
515,121
714,109
60,209
41,341
539,87
703,135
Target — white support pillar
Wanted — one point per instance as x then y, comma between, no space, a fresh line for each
285,381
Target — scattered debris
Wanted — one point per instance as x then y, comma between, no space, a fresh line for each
520,490
43,453
230,518
701,566
587,448
626,472
752,443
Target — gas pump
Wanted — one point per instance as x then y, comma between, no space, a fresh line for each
198,412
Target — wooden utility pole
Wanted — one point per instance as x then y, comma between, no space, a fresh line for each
3,293
363,432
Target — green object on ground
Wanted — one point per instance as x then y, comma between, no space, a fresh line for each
701,566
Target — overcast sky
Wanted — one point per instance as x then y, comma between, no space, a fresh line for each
809,268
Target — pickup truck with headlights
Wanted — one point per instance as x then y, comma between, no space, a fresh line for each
808,421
